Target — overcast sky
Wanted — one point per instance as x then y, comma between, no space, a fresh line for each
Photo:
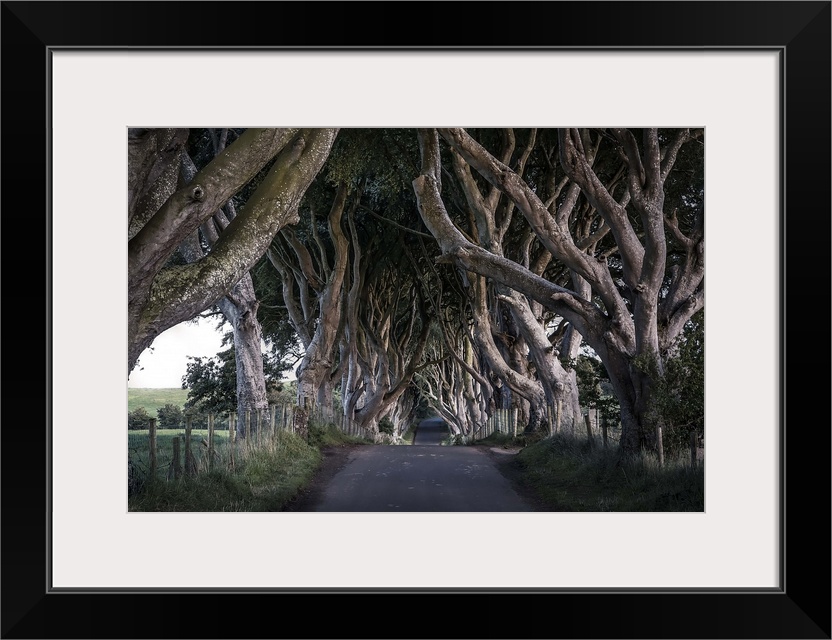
164,363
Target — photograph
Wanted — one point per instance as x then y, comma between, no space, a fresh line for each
412,310
532,299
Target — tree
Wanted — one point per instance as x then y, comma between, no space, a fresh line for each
161,217
138,418
239,306
345,281
642,293
457,384
524,358
212,382
170,416
316,311
547,239
595,389
679,397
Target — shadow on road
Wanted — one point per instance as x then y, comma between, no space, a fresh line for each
431,431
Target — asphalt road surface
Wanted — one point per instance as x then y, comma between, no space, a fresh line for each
421,477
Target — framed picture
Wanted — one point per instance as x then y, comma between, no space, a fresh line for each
755,75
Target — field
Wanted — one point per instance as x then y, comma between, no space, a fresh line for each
138,446
153,399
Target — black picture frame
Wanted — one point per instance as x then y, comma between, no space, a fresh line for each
800,608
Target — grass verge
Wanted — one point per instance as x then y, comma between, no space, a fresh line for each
569,474
265,478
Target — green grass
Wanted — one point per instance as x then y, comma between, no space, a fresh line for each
264,477
567,473
570,475
328,435
154,399
138,447
410,434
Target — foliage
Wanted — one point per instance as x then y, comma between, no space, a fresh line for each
266,479
385,425
571,475
138,418
594,388
679,396
409,435
283,392
170,416
326,434
387,158
423,409
278,333
212,382
589,372
678,393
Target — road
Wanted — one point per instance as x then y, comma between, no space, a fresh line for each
421,477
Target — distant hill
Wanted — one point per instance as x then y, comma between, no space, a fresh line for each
153,399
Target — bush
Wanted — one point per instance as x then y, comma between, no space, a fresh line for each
385,425
139,418
170,417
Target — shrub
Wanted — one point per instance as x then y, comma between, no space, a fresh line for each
139,418
385,425
170,417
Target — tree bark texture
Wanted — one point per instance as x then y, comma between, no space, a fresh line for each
634,308
162,296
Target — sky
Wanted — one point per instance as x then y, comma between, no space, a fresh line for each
163,364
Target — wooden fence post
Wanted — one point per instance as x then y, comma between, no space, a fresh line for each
175,469
557,417
259,427
190,463
232,428
514,422
660,444
271,419
588,426
301,420
604,430
151,437
693,448
550,418
210,441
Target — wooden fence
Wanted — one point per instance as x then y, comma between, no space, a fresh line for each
170,454
506,421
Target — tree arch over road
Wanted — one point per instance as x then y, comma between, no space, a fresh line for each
463,267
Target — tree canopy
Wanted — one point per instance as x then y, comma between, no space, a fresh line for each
467,268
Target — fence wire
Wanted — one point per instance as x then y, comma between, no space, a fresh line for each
167,454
